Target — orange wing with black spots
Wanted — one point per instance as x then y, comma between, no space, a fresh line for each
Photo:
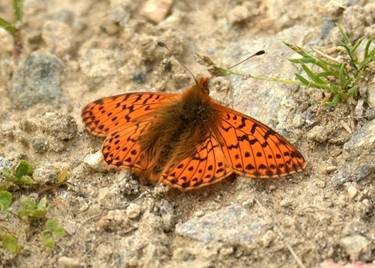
254,149
207,166
106,115
122,149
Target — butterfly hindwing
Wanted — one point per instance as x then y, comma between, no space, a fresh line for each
254,149
206,166
121,148
105,115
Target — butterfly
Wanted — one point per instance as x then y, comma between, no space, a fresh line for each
187,140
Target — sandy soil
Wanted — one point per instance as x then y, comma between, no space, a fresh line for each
78,51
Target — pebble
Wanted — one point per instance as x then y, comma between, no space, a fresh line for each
354,245
156,10
362,138
97,62
58,36
46,173
37,80
94,161
115,220
318,134
58,125
238,15
133,211
68,262
352,191
233,224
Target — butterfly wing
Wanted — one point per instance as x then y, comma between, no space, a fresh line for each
105,115
254,149
208,165
121,148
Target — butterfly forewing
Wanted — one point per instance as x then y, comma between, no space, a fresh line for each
254,149
105,115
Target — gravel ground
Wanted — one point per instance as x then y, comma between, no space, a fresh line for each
78,51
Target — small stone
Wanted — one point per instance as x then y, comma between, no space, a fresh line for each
167,214
5,163
298,121
40,145
352,191
46,173
182,254
330,169
68,262
226,251
60,126
37,80
110,27
354,245
318,134
362,138
94,161
156,10
115,220
238,15
285,203
268,238
354,20
133,211
233,224
58,36
130,186
97,62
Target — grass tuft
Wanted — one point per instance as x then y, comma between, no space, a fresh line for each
12,27
341,77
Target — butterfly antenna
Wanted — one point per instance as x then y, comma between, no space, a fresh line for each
163,45
260,52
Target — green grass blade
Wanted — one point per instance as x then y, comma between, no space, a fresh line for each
313,76
357,44
342,76
9,27
367,48
346,39
303,80
17,7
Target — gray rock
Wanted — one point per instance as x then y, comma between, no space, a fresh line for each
5,163
37,80
318,134
350,171
371,94
359,156
267,101
354,245
363,138
60,126
233,224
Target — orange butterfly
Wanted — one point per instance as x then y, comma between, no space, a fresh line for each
187,140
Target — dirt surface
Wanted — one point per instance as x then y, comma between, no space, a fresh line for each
77,51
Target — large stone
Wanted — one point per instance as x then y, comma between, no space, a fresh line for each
267,101
359,156
37,80
233,224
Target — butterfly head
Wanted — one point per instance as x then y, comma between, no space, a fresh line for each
202,84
